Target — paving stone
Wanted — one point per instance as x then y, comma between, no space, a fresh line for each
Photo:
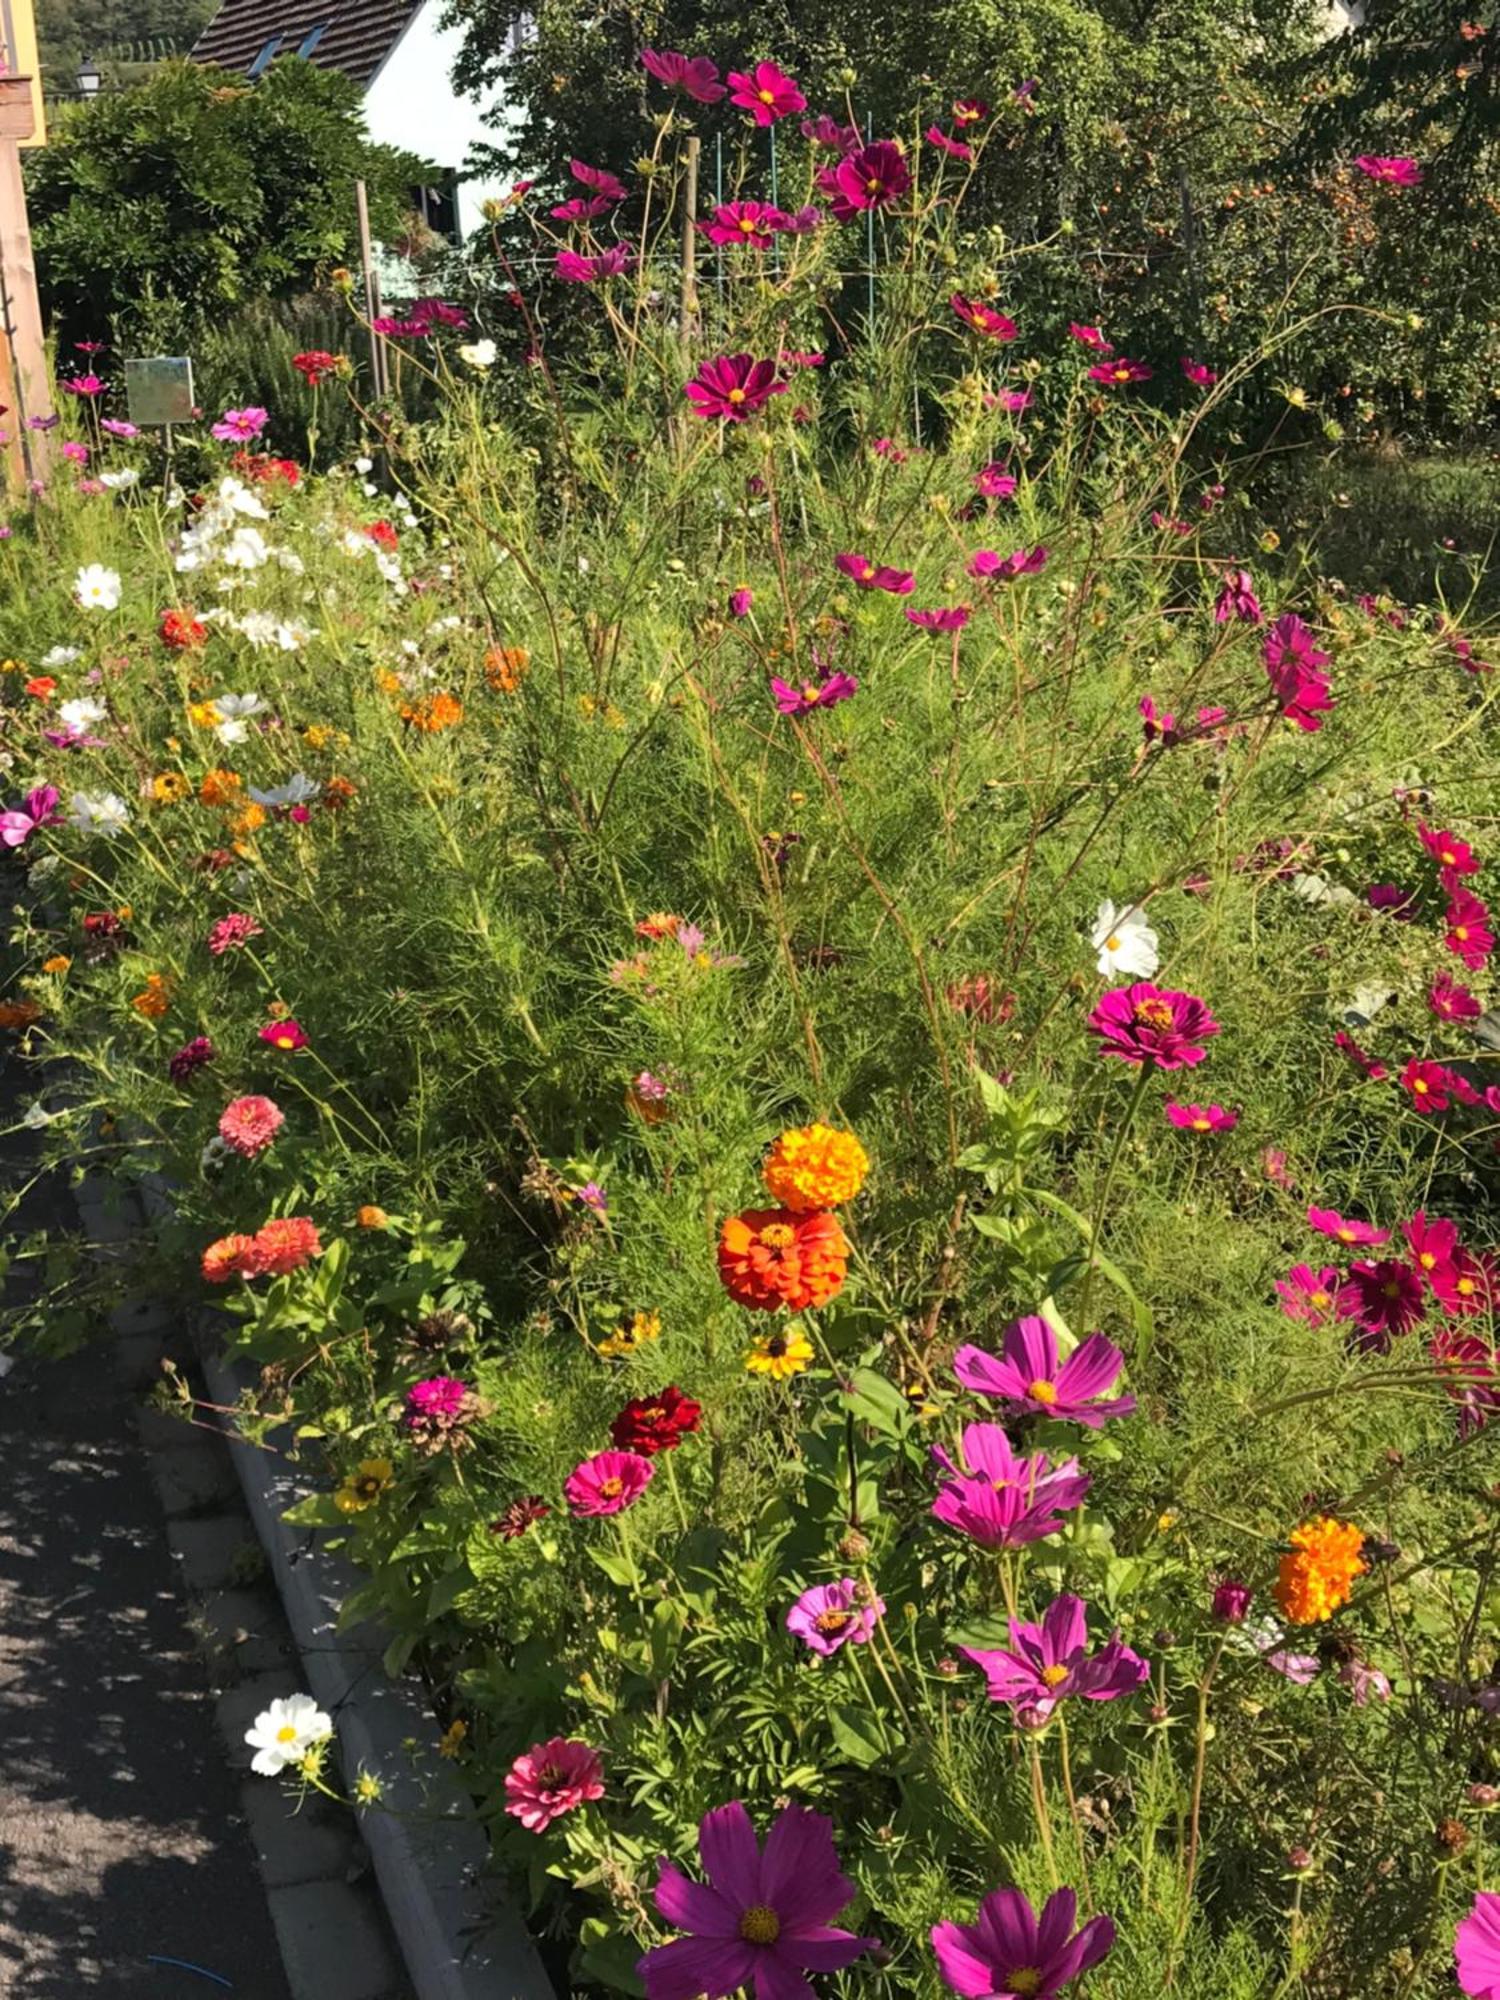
194,1479
216,1550
245,1628
138,1360
134,1316
334,1943
310,1842
162,1430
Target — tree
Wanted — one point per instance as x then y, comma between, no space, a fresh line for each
113,32
195,192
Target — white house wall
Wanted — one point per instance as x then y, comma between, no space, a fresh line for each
412,103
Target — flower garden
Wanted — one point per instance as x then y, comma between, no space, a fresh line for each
826,1028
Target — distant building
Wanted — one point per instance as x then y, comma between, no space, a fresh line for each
401,57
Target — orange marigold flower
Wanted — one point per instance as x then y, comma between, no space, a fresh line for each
156,997
220,787
660,924
386,681
56,965
338,792
249,819
1316,1577
433,712
813,1166
19,1013
505,668
230,1257
371,1216
285,1244
773,1257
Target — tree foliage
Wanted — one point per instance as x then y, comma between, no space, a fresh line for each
112,31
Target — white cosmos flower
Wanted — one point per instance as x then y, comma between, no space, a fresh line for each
96,588
298,790
234,712
61,656
102,813
77,715
1125,942
285,1732
355,542
479,354
118,481
235,497
245,549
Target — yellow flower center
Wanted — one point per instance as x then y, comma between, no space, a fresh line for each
1448,857
872,185
611,1488
286,1733
1043,1391
1111,944
1202,1125
1427,1261
1025,1983
1420,1086
1465,1287
767,96
1320,1299
866,574
736,396
778,1236
747,223
1054,1676
760,1924
1155,1013
1391,1289
833,1621
1461,932
1345,1235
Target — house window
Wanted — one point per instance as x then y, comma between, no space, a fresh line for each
263,60
437,204
520,33
312,38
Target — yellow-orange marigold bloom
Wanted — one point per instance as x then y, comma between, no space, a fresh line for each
372,1217
1316,1577
505,668
220,787
813,1166
57,965
433,712
249,819
154,1001
770,1258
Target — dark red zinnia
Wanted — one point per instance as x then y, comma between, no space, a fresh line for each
650,1424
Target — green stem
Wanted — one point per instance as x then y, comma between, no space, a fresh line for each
1039,1808
1101,1206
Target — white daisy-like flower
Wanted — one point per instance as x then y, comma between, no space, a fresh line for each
285,1732
235,711
237,498
117,482
245,549
1125,942
61,656
299,790
355,542
104,813
479,354
78,715
96,588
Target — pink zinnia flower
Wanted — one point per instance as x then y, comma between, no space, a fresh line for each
1237,599
1447,850
1383,1299
551,1779
231,933
874,177
285,1244
954,148
1469,934
1374,1069
1119,372
1429,1085
1028,1372
1198,373
1046,1663
1010,1950
1003,1501
1307,1294
608,1482
875,576
753,223
1390,169
437,1396
694,76
767,93
1452,1002
995,483
831,1615
1201,1117
984,319
1146,1023
813,694
241,426
948,618
249,1124
1345,1228
289,1036
734,387
1091,336
761,1919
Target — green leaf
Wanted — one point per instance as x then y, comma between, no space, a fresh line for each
877,1402
1140,1312
859,1735
618,1567
984,1635
316,1511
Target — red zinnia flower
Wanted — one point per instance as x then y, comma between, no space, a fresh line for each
734,387
983,319
651,1424
285,1244
181,630
318,366
230,1257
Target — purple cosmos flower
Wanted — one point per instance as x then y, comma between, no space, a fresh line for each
830,1615
876,576
42,806
1237,599
1010,1950
761,1917
576,270
734,387
1307,1294
947,618
1004,1501
43,423
813,694
694,76
1364,1682
115,427
1476,1948
874,177
1383,1299
1146,1023
1028,1372
802,222
1046,1663
766,92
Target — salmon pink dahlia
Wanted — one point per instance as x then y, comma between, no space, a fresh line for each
551,1779
775,1258
814,1166
249,1124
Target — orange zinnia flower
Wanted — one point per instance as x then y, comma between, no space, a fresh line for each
773,1257
813,1166
1316,1577
505,668
156,998
220,787
433,712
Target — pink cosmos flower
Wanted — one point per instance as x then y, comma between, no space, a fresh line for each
551,1779
970,110
1120,372
1198,373
232,932
954,148
734,387
762,1917
437,1396
83,385
948,618
1003,1501
1345,1228
600,179
1237,599
802,222
1430,1086
827,133
767,93
1433,1245
874,177
751,223
1010,1950
241,426
694,76
1390,169
42,806
1383,1299
1046,1663
1466,1369
1392,900
1375,1070
1469,934
1452,1002
249,1124
608,1482
995,483
1292,663
831,1615
288,1036
77,454
1447,850
875,576
1091,336
740,601
985,563
1476,1948
1466,1285
1146,1023
1201,1117
1014,400
116,427
1364,1682
576,270
1308,1295
984,319
582,209
1028,1372
813,694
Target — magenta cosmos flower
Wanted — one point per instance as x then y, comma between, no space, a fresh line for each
1345,1228
946,618
1307,1294
1450,1001
1390,169
1120,372
694,76
249,1124
830,1615
1293,662
767,93
995,483
600,179
1237,599
809,695
1003,1501
984,319
1468,929
1383,1300
1447,850
582,209
608,1483
1046,1663
1476,1948
1028,1372
874,177
1201,1117
1146,1023
1010,1950
611,263
985,563
875,576
751,223
241,426
288,1036
954,148
734,386
1429,1085
1198,373
1090,336
761,1917
551,1779
42,806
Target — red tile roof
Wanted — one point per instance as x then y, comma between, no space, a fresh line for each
357,35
